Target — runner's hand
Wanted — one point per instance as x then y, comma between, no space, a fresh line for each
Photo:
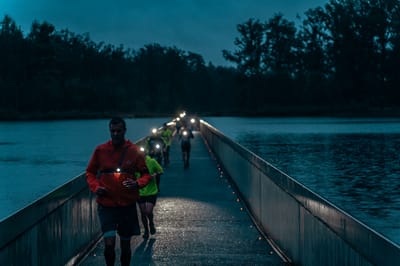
100,191
130,183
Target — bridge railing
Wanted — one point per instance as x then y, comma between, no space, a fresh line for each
57,229
53,230
307,228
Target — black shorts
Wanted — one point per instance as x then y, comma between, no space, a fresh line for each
185,146
151,199
123,220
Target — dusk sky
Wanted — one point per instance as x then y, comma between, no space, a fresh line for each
205,27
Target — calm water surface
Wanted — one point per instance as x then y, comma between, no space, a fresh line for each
37,157
353,163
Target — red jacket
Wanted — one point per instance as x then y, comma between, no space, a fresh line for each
101,171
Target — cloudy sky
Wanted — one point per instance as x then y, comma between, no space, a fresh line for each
205,27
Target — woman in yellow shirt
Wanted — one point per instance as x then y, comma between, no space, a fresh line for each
148,196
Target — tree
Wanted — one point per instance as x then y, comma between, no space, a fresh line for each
386,18
41,69
281,45
12,64
358,45
248,56
314,64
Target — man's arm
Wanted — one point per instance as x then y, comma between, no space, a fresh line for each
91,173
141,167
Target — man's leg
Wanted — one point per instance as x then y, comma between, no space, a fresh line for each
126,252
150,216
184,154
142,206
108,225
166,157
128,227
188,156
109,250
158,178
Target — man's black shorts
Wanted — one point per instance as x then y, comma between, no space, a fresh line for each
124,220
151,199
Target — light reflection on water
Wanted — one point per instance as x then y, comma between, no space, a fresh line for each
353,163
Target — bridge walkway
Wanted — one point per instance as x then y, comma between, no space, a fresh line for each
199,220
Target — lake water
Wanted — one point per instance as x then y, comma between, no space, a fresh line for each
37,157
353,163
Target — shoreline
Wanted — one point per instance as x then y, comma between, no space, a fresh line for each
393,112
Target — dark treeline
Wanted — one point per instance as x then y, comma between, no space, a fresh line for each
342,58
